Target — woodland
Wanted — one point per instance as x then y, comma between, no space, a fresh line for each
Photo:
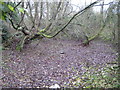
46,43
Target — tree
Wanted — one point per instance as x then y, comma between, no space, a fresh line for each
16,16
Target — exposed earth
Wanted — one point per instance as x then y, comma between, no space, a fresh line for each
52,62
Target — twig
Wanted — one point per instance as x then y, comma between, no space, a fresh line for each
80,12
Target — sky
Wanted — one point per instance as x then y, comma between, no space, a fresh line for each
81,3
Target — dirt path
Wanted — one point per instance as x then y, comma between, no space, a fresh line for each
52,62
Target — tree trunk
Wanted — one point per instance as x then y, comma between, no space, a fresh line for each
41,13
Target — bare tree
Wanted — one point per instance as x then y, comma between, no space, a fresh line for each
31,15
41,13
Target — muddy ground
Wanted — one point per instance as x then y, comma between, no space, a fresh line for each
52,62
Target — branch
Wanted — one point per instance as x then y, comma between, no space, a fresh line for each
80,12
22,17
17,5
105,4
12,23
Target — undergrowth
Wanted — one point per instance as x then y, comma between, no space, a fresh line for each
106,77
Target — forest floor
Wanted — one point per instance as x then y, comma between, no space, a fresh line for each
52,62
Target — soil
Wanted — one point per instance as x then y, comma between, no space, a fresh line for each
52,62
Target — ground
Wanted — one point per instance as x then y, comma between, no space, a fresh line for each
52,62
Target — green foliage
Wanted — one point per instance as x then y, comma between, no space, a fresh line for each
9,12
5,8
5,33
11,8
98,78
21,10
